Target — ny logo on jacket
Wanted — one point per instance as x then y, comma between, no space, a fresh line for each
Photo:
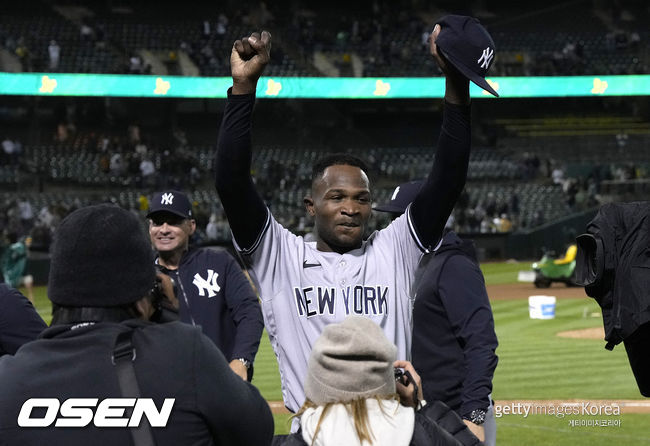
210,285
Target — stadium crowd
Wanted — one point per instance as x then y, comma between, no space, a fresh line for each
371,39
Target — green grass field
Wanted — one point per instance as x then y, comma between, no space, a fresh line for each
503,272
534,363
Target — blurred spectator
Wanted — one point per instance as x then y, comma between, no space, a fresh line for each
9,150
86,32
104,163
147,170
26,214
24,55
46,217
557,175
504,224
54,51
222,25
41,236
491,205
206,29
538,219
143,203
117,164
14,261
212,229
135,64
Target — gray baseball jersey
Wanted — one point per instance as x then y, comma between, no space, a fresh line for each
303,290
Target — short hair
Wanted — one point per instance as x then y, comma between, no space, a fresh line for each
336,159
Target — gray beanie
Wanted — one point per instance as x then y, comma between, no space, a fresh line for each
101,257
350,360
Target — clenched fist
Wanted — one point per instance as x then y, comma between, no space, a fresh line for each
248,58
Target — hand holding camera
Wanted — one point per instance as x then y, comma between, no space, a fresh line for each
408,384
163,299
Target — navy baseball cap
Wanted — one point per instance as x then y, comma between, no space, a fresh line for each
468,46
402,196
171,201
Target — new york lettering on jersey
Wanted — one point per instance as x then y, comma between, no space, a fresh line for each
317,300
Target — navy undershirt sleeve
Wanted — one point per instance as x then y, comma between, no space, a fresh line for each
435,201
244,207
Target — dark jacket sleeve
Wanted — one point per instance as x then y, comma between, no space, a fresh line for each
242,204
435,201
232,407
463,294
438,415
19,321
245,311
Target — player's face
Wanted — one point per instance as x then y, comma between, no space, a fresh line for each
341,207
169,232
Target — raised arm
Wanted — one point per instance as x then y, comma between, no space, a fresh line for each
434,203
244,207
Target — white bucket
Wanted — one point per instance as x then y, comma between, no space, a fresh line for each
541,307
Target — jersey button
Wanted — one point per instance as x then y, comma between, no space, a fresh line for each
342,282
342,263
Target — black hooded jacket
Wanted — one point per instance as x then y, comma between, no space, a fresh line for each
454,341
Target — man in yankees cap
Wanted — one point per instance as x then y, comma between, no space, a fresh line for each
212,290
304,286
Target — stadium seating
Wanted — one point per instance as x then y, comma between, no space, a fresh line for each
389,42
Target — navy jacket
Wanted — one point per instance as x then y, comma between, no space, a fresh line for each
454,341
213,293
19,321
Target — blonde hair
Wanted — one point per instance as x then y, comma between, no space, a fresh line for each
356,408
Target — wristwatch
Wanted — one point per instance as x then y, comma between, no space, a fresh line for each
246,362
477,416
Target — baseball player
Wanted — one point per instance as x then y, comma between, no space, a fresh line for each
305,286
13,263
212,291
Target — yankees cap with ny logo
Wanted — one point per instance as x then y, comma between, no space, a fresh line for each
171,201
468,46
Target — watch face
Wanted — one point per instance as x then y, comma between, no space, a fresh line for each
477,416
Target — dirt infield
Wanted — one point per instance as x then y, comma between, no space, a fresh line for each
523,290
585,333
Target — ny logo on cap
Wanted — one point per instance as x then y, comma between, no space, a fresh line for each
486,57
167,198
